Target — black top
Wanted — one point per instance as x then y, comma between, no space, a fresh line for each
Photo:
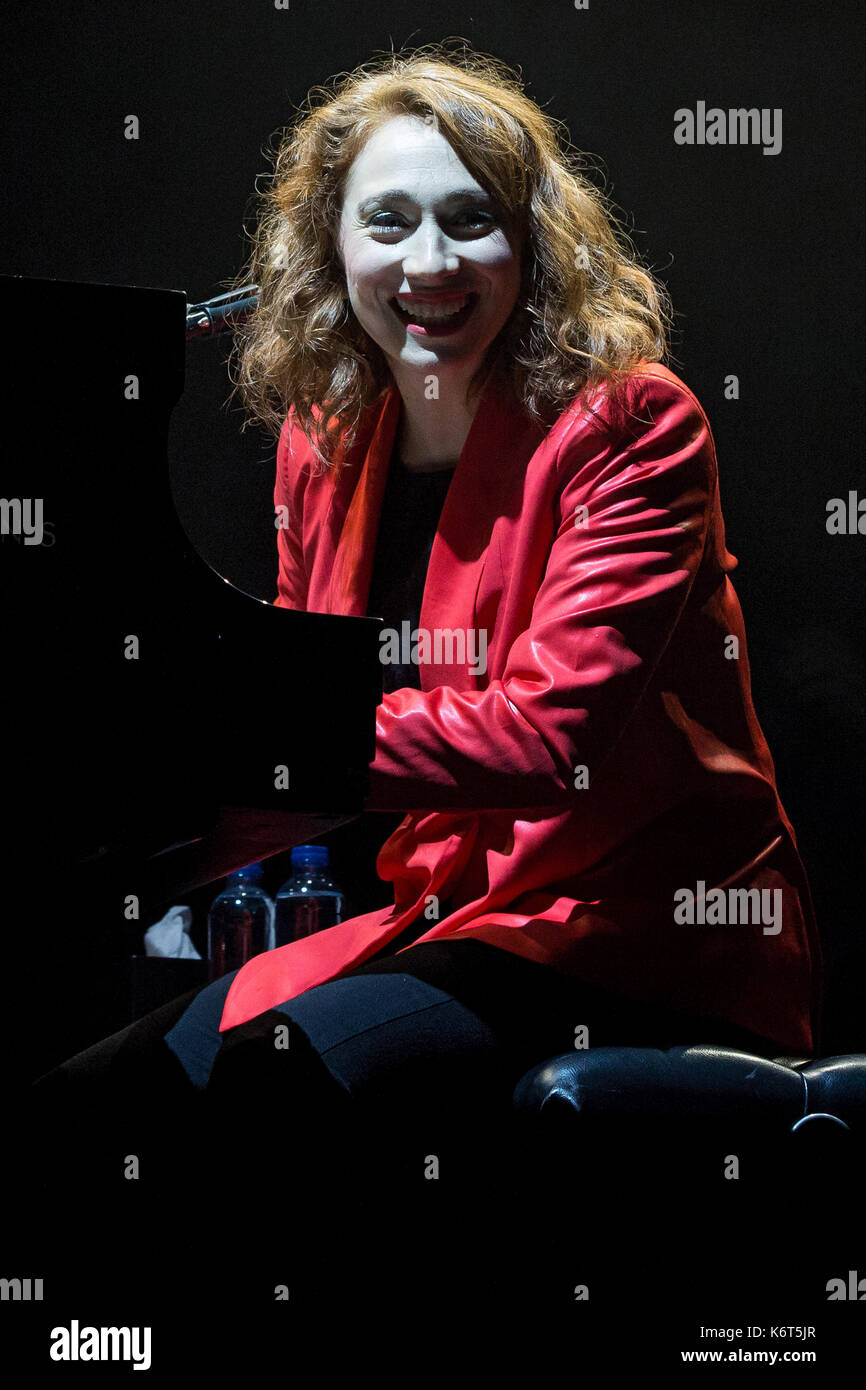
410,514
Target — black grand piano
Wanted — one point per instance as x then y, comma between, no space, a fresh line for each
161,727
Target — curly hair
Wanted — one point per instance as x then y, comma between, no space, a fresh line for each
586,311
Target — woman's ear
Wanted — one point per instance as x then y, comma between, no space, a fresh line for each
338,252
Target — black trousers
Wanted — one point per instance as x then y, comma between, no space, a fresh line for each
411,1055
341,1144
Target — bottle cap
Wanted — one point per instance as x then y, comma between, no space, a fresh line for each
252,873
309,854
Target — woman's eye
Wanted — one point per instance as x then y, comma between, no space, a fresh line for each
477,216
392,222
389,225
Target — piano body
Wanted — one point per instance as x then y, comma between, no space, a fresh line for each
162,727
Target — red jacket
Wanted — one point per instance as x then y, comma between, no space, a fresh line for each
609,633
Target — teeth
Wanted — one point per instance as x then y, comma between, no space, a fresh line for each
431,312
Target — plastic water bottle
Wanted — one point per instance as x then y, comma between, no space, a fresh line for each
310,900
240,923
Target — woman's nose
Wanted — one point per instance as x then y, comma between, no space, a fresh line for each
430,253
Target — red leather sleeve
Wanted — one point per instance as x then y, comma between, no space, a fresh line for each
292,582
612,592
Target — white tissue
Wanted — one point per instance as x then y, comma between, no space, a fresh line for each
170,936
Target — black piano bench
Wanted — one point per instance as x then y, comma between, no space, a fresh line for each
691,1099
694,1148
701,1082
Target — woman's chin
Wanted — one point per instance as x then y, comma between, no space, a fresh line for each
415,352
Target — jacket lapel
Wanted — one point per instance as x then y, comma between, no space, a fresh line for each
353,562
500,443
489,473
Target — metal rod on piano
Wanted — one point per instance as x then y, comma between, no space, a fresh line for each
222,313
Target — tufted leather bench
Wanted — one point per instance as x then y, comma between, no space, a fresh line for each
684,1109
700,1082
627,1155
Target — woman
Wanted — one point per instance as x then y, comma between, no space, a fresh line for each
477,438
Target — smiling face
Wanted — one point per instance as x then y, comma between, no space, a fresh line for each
432,270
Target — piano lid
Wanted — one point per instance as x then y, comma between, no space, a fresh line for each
144,690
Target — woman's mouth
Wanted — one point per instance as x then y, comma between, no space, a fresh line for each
434,315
